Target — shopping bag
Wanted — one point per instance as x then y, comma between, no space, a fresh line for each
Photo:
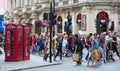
45,57
64,50
75,57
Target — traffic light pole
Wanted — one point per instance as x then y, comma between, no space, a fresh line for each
51,20
53,13
69,31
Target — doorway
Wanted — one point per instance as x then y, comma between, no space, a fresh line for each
102,21
103,27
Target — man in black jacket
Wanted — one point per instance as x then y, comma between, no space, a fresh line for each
114,42
78,47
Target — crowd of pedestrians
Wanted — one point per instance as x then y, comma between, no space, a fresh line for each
100,47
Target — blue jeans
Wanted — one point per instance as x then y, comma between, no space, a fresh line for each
34,48
68,52
87,54
59,51
81,53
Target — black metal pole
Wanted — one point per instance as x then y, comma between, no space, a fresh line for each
53,13
53,6
68,31
51,20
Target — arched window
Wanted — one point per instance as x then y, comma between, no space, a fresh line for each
102,17
79,17
59,19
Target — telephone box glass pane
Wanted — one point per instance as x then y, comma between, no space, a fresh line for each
27,43
10,39
20,42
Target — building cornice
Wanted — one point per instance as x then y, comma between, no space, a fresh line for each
89,4
45,7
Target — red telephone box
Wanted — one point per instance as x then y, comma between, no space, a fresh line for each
26,42
17,42
13,47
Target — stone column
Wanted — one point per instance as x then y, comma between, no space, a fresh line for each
22,3
73,22
18,3
13,5
32,1
26,2
63,22
64,18
29,1
36,1
40,1
115,19
9,5
33,27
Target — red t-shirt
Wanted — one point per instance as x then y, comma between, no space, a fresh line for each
88,43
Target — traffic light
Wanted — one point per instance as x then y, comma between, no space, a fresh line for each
66,27
68,24
54,19
112,26
69,18
45,16
97,25
70,28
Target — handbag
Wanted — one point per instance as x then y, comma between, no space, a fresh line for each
64,50
75,57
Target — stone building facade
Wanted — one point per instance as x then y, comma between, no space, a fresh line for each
85,13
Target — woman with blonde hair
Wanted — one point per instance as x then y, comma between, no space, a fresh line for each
64,49
59,49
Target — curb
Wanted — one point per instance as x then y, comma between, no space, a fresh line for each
36,67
